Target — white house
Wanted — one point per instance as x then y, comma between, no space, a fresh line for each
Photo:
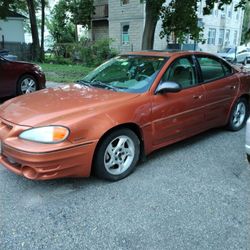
12,28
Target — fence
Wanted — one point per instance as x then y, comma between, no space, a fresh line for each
23,51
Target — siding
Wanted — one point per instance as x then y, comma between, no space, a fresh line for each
12,29
131,14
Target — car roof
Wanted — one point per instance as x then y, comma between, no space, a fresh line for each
165,53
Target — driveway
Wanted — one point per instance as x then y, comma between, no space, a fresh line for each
191,195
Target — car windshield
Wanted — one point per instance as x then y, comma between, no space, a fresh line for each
228,50
126,73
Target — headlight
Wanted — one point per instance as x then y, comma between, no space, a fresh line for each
38,68
49,134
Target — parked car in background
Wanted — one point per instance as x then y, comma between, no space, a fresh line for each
128,107
248,55
242,55
6,55
17,78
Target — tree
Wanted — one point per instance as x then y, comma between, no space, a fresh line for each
34,30
81,13
43,5
153,10
28,7
246,25
179,18
6,5
67,14
60,25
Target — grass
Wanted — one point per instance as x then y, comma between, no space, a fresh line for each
64,73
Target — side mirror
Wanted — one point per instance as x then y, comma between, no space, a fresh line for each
168,87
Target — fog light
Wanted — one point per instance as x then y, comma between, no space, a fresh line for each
29,172
11,160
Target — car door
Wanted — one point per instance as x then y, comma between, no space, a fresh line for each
178,115
221,86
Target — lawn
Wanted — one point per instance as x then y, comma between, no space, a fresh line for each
64,73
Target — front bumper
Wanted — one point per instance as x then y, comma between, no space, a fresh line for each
42,81
71,162
39,161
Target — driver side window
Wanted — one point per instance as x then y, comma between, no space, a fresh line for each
181,71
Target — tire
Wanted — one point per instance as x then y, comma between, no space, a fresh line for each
117,155
248,158
238,115
26,84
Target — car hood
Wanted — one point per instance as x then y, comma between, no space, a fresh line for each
52,106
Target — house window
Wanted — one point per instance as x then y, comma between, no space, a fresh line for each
215,10
238,14
211,36
221,36
230,11
123,2
125,34
235,37
200,8
223,12
227,37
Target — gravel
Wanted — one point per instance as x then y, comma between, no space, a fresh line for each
192,195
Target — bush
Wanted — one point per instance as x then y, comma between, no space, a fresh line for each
85,52
54,59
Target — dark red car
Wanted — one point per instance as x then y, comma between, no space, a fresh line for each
17,78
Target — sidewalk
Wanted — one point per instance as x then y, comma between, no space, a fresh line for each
50,84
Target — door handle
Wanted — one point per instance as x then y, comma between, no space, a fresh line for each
197,97
232,87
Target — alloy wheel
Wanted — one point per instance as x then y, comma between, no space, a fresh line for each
239,114
119,155
28,85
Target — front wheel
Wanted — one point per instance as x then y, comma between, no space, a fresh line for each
26,84
238,115
117,155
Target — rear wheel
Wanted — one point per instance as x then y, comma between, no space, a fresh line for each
26,84
238,115
117,155
248,158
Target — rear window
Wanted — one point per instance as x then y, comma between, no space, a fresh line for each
213,69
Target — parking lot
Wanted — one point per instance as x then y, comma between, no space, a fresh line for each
191,195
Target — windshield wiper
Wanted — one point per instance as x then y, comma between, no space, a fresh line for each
103,85
83,82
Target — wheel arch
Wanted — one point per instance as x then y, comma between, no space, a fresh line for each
243,96
246,96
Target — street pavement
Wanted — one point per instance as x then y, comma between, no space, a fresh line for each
194,194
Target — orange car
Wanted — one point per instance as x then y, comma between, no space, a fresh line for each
123,110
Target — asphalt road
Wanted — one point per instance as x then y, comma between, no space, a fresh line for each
191,195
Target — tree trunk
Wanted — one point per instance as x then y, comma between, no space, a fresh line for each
34,30
42,28
76,33
150,25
